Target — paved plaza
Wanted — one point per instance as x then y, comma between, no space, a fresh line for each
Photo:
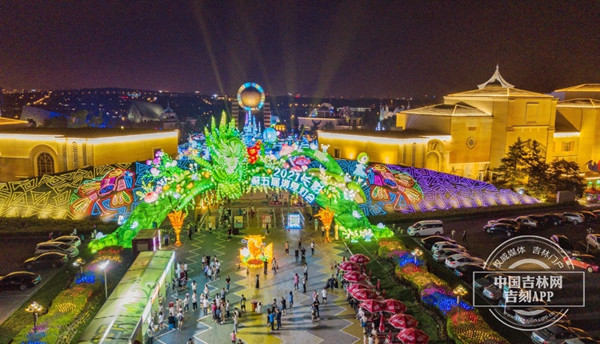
337,322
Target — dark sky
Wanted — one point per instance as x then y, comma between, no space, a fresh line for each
339,48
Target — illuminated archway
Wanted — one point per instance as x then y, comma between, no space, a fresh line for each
230,169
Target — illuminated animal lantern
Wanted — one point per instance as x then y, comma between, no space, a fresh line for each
393,186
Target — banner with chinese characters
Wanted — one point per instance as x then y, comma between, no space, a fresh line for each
305,185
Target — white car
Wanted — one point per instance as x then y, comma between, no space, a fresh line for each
526,221
574,218
446,244
50,246
593,240
69,240
441,255
461,259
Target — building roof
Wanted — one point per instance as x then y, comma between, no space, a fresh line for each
459,109
562,125
81,132
579,103
386,136
581,88
499,91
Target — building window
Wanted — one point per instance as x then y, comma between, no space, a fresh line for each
45,164
336,153
531,112
568,146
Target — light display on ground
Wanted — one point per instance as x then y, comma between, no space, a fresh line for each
256,252
227,172
295,221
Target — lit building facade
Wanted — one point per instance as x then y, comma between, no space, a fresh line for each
470,132
32,152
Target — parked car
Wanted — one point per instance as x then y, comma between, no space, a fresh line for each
586,340
554,219
71,240
555,334
593,240
492,292
461,259
507,221
526,222
503,228
50,246
19,280
466,271
430,240
589,216
573,218
564,243
46,260
586,262
446,244
441,255
425,228
541,221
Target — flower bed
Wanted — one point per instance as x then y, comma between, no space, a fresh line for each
385,246
468,327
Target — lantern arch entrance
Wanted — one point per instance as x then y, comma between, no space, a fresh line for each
226,168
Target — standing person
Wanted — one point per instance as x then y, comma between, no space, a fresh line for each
227,306
266,266
296,281
259,307
243,304
179,320
283,305
291,299
452,233
229,232
272,319
161,320
227,282
287,247
205,305
305,270
236,317
297,254
312,248
166,239
316,305
278,318
186,303
274,265
223,292
190,231
324,295
258,281
233,337
194,286
304,284
194,301
299,243
464,235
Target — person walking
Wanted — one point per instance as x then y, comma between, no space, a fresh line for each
287,247
205,305
274,265
190,231
194,286
316,305
236,318
186,303
296,281
464,235
324,295
243,304
227,282
257,281
291,299
233,337
259,307
272,319
179,320
297,254
305,270
227,306
266,267
283,305
312,248
161,320
452,233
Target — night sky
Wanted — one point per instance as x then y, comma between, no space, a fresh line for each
323,48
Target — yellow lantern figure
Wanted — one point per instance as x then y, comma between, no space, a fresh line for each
326,216
256,252
176,218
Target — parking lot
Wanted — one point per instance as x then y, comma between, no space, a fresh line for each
481,244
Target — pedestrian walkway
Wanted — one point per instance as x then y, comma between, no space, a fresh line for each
337,324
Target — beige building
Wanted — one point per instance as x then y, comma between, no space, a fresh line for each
470,132
32,152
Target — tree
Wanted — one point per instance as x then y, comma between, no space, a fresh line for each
565,176
78,119
538,180
512,170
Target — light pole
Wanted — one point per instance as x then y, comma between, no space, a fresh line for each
79,262
35,309
459,291
103,267
416,253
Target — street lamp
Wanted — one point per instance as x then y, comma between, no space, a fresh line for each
35,309
416,253
459,291
103,267
79,263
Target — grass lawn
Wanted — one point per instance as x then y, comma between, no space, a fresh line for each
383,270
43,296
